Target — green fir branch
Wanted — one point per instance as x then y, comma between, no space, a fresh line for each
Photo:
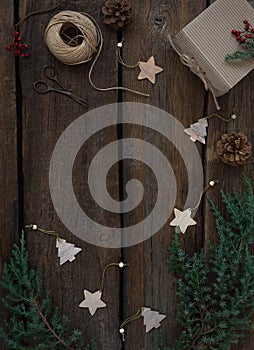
216,292
32,324
239,55
248,51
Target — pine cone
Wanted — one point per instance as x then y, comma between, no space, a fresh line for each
117,13
234,149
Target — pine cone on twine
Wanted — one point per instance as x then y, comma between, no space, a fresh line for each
117,13
234,148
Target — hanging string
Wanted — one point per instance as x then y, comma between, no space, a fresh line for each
36,228
212,183
194,67
128,320
82,47
214,115
39,12
120,59
93,64
121,265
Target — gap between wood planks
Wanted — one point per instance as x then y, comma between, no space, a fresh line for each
19,124
121,187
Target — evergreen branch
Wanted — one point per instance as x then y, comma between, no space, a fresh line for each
239,55
32,325
245,39
44,319
216,291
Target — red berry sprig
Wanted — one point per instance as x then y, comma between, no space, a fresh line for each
19,47
244,35
246,40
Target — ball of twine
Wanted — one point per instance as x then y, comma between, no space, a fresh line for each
72,37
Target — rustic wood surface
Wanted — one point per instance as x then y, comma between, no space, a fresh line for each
9,178
30,127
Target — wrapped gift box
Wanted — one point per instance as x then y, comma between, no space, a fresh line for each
208,40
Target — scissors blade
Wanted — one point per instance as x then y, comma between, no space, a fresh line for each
73,97
79,100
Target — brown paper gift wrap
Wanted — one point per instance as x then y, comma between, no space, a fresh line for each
208,40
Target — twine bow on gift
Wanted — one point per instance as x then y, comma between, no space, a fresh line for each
194,67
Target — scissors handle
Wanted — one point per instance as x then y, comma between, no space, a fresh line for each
42,87
50,73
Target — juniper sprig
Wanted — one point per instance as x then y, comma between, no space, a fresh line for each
216,290
32,324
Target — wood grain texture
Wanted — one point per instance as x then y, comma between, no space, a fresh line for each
9,208
45,117
147,280
241,98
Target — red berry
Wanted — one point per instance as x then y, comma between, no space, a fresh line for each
233,31
20,46
15,52
16,34
23,55
248,36
238,38
8,48
247,27
242,40
19,38
16,44
252,30
12,44
245,21
27,54
237,33
26,46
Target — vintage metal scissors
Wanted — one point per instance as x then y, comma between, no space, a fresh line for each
42,87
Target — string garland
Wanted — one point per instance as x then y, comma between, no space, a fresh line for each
74,38
66,251
183,218
197,130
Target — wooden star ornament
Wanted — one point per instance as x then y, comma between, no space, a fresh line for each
149,70
182,219
92,301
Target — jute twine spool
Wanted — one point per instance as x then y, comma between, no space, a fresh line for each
72,37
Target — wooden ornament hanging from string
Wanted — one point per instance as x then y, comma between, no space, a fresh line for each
75,38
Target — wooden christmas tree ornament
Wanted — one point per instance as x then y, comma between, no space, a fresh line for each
152,319
197,131
66,251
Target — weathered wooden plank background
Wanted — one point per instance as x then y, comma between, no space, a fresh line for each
31,125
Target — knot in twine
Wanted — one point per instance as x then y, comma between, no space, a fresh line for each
194,67
76,48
